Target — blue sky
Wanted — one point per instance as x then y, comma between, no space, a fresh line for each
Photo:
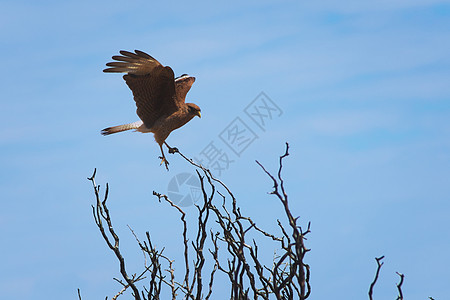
364,90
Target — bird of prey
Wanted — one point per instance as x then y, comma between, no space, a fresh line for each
159,96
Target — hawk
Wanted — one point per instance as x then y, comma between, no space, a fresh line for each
159,96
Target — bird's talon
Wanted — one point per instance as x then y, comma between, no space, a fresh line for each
173,150
164,160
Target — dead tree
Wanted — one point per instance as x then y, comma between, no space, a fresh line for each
228,235
225,238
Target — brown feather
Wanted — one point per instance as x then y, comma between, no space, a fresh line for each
129,54
154,94
143,54
116,70
118,64
138,63
123,58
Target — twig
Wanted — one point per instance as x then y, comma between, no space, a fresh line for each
297,257
120,292
185,239
399,286
100,213
379,264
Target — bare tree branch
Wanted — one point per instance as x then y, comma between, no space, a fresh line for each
248,276
185,239
399,286
379,264
101,212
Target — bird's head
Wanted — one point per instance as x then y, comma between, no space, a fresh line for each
194,110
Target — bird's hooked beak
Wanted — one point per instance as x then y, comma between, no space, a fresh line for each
199,114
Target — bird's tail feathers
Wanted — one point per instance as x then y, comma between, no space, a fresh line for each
120,128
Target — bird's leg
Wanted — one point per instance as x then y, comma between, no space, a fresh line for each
163,158
171,150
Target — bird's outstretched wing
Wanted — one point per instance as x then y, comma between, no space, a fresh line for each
183,84
139,63
152,84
